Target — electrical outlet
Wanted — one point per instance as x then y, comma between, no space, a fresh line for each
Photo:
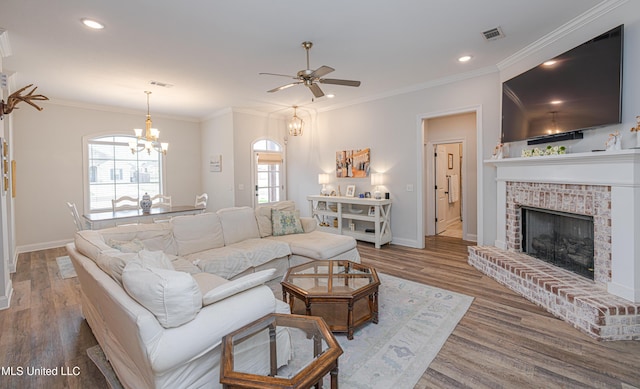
409,187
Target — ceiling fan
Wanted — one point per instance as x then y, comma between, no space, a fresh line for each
310,78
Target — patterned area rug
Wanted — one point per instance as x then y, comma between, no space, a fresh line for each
415,321
65,267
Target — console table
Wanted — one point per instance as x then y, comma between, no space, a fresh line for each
365,219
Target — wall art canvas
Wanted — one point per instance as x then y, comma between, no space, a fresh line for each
353,163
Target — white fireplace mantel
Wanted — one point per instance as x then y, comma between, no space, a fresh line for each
619,170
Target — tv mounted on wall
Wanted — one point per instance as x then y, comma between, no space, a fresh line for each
577,90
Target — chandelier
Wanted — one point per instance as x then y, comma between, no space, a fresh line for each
295,124
150,139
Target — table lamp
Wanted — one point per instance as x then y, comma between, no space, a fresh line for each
377,179
323,178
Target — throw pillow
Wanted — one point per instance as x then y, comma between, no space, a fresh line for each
172,296
285,222
126,246
236,286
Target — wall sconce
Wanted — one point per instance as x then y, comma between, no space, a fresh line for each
323,178
377,179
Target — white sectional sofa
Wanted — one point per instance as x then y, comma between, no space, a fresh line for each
159,297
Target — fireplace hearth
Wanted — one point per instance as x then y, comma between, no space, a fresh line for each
604,186
563,239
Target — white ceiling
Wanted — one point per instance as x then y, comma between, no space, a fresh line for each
212,51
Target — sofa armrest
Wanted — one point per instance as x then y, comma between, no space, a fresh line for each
308,224
179,345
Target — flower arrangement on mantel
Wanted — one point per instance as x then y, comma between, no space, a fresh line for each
549,150
636,130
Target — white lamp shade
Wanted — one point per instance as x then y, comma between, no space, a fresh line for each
377,179
323,178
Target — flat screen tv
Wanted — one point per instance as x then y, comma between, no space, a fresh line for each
577,90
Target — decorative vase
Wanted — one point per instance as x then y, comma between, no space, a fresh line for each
145,203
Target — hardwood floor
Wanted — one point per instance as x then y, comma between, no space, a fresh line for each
502,342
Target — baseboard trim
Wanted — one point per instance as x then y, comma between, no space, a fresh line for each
41,246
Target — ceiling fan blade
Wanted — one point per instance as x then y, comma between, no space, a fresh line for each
321,71
284,87
315,89
276,74
339,82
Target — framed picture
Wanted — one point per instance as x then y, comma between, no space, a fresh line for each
372,211
351,191
215,163
450,161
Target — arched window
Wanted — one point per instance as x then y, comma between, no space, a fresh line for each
268,158
113,171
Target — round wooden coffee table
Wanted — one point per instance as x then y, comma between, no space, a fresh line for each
344,293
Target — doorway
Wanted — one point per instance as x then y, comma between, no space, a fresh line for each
448,189
449,200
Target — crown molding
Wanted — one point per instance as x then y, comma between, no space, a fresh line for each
415,88
105,108
562,31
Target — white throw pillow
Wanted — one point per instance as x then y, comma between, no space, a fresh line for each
236,286
172,296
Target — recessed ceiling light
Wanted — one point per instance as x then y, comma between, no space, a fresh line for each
555,102
464,58
330,96
549,63
92,24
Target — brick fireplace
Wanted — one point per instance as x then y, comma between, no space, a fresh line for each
605,186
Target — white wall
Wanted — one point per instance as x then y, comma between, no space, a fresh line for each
48,151
392,128
217,139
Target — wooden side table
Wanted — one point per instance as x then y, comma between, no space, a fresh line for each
316,357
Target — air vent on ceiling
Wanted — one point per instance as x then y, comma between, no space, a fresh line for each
160,84
493,34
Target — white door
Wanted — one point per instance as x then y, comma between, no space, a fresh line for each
441,187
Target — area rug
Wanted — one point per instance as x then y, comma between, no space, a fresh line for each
65,267
100,360
415,320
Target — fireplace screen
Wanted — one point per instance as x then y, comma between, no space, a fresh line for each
563,239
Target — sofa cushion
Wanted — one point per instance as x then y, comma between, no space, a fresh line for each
224,261
126,246
263,215
285,222
113,262
172,296
154,236
317,244
238,285
238,224
195,233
